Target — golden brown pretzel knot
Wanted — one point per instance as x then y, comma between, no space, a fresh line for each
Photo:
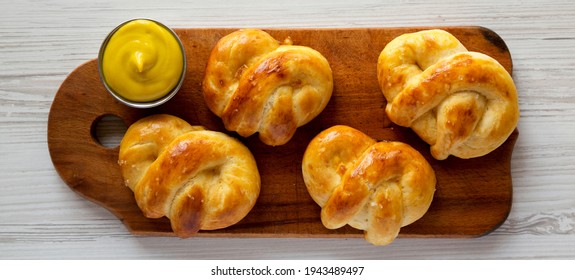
461,103
199,179
376,187
257,85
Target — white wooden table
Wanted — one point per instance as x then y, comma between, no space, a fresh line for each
41,42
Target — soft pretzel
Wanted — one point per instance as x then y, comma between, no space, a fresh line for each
257,85
375,187
197,178
461,103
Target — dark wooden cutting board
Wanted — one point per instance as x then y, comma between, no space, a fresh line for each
473,196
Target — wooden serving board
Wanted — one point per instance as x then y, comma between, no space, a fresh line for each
473,196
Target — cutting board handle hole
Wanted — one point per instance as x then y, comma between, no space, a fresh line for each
108,130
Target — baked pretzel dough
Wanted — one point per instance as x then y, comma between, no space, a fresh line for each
375,187
257,85
460,102
197,178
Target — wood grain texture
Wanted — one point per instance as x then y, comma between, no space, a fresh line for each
42,42
473,197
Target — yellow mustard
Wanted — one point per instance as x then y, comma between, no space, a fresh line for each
142,61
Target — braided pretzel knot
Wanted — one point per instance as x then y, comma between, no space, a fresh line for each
376,187
257,85
461,103
199,179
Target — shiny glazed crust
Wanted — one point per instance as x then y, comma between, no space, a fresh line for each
461,103
257,85
375,187
199,179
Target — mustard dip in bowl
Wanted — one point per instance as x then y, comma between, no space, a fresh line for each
142,63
